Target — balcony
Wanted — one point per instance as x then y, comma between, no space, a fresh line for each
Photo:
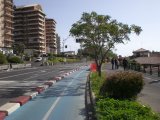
36,28
9,20
35,18
36,37
37,15
9,8
19,24
9,2
9,14
18,29
35,32
20,16
7,45
8,40
9,27
9,33
26,11
35,23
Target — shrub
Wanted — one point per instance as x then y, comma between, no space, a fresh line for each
122,85
111,109
3,59
14,59
27,58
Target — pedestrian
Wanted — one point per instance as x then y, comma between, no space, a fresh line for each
10,65
112,62
116,63
125,63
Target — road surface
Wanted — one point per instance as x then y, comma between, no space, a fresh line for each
14,83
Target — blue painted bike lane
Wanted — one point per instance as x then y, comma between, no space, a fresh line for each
63,101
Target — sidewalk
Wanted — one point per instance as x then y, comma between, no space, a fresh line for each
150,94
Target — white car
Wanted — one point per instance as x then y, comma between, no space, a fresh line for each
38,59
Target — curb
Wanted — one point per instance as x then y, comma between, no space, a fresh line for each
8,108
17,102
21,100
31,94
2,115
89,101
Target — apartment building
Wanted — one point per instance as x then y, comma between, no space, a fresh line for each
6,26
29,27
51,43
58,39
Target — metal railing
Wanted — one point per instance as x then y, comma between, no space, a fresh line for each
145,68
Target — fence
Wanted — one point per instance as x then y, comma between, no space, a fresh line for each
145,68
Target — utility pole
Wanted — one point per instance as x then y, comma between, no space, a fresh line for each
63,42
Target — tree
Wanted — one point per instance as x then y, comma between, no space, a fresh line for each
101,33
19,49
3,59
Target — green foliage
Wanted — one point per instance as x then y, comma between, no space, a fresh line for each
134,65
100,33
19,48
111,109
123,85
3,59
27,57
111,54
133,62
61,59
69,60
97,82
14,59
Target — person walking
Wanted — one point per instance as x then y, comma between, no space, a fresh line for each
112,62
116,63
125,63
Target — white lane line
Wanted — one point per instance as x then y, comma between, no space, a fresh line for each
148,78
58,99
36,75
21,74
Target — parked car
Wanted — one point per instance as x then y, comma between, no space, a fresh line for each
38,59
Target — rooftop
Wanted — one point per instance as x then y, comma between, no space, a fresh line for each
141,50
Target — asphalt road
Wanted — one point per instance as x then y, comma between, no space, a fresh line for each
14,83
63,101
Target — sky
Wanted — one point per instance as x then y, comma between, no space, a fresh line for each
144,13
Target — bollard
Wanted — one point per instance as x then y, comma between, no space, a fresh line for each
144,69
150,66
158,71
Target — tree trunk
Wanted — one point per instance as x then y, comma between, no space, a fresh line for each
99,70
